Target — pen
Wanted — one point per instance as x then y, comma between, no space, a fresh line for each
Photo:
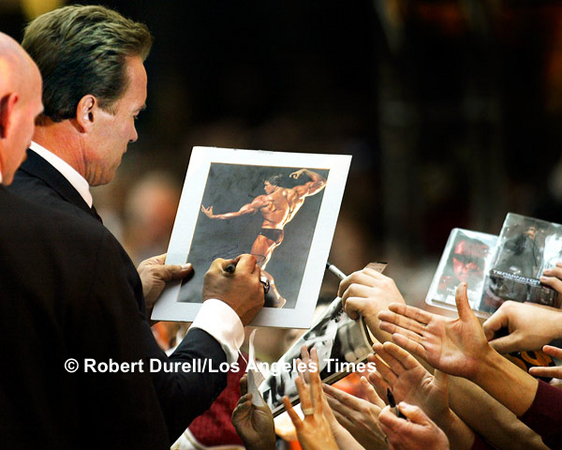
392,404
337,272
263,280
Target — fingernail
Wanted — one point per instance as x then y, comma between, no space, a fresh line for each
186,266
544,278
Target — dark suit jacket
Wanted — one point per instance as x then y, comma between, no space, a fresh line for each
182,395
55,305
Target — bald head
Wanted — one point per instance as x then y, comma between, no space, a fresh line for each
20,103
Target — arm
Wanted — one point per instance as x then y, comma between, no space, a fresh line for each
366,293
459,347
530,326
312,187
418,432
249,208
230,301
254,424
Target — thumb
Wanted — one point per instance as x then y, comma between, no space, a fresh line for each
463,307
506,344
494,323
176,271
415,414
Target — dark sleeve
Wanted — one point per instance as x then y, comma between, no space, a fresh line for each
192,379
118,408
545,415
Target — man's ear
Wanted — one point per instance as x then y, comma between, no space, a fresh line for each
86,112
7,105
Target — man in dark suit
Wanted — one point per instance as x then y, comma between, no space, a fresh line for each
91,59
54,303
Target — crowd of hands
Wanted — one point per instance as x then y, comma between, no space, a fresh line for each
418,356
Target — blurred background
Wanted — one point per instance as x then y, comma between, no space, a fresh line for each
452,111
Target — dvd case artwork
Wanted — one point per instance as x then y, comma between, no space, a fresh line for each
526,247
466,257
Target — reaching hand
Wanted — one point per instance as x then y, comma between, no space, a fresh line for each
241,289
409,381
254,424
554,372
314,430
455,346
359,417
154,275
530,326
417,433
366,293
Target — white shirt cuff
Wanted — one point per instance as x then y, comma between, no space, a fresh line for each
220,321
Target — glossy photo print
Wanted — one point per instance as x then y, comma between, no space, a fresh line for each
279,207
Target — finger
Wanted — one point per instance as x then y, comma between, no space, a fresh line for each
554,282
304,394
406,360
245,263
219,264
507,344
419,315
414,414
343,400
177,271
402,321
244,384
371,393
353,306
410,345
463,306
393,329
554,271
553,372
551,350
316,388
379,385
496,321
342,419
297,422
366,277
390,424
384,369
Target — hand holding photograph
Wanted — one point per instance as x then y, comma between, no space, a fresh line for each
280,207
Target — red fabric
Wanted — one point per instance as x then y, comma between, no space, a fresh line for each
214,427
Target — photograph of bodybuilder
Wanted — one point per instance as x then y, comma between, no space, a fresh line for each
270,212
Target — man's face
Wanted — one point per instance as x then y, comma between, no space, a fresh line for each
113,132
268,187
468,260
28,106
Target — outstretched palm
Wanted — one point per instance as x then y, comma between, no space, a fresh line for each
454,346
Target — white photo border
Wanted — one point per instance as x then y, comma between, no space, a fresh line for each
169,309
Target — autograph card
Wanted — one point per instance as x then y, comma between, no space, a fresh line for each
280,207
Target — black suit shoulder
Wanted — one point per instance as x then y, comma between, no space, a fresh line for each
57,305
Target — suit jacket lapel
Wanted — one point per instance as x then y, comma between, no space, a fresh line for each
38,167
